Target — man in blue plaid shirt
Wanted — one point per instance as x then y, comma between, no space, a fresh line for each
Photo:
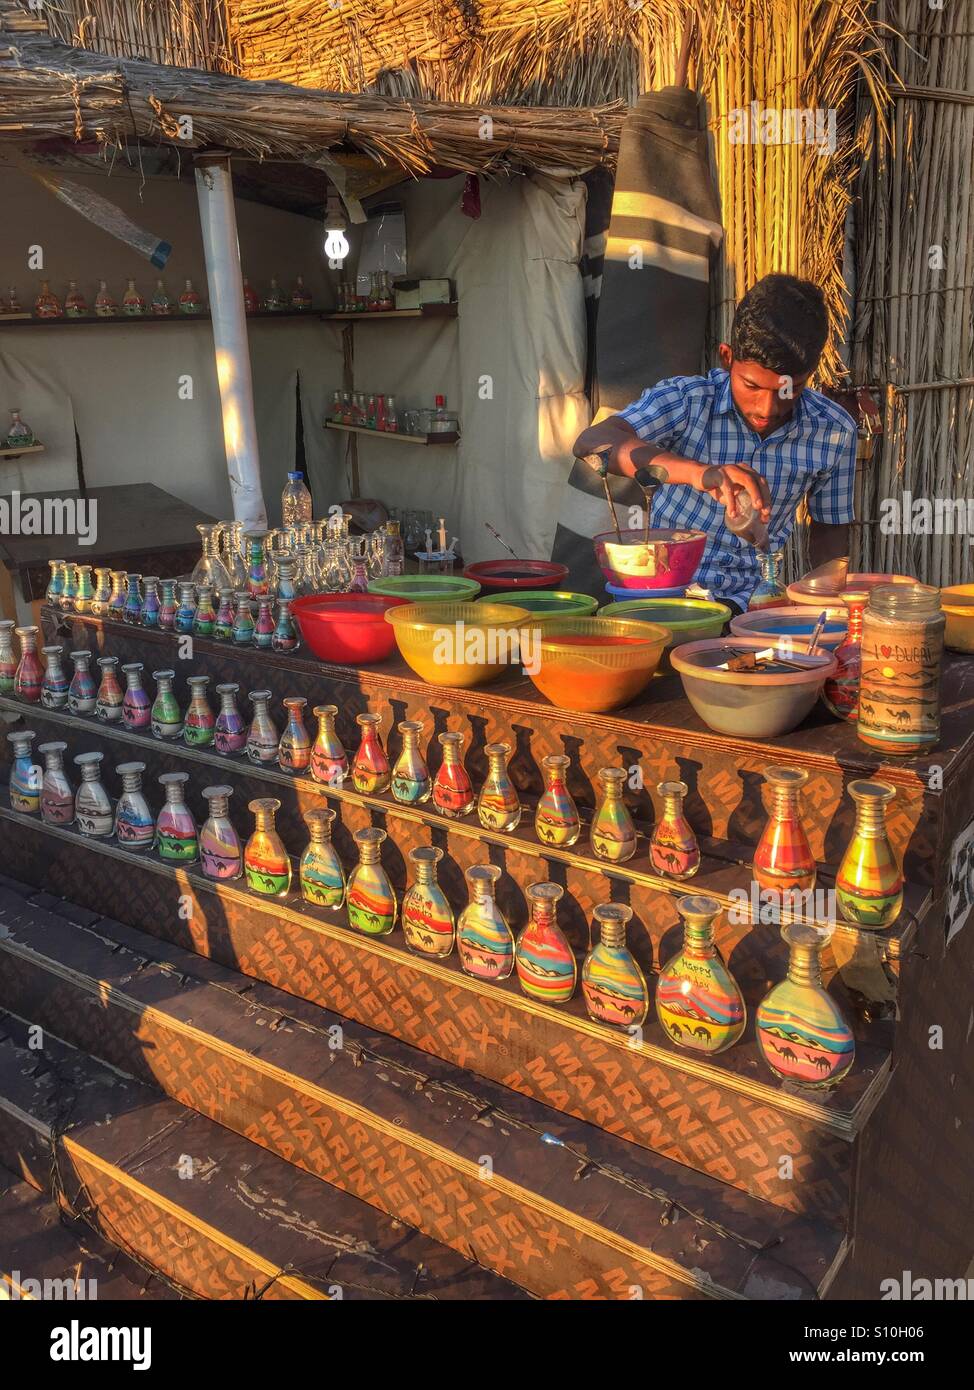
755,418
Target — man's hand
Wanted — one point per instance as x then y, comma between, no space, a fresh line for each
723,484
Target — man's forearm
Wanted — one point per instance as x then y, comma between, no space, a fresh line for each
827,542
627,452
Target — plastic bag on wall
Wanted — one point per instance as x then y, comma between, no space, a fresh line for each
107,216
383,245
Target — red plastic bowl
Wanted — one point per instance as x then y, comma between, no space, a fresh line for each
350,629
683,554
517,574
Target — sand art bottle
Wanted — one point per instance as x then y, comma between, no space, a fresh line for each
869,882
840,693
264,624
320,869
411,781
545,963
801,1031
186,609
54,687
57,793
55,585
243,621
204,619
371,773
698,1001
613,986
769,592
673,847
230,729
136,705
200,721
783,859
116,601
267,867
29,676
556,819
258,584
93,811
103,592
168,606
70,588
613,834
899,684
167,717
262,736
176,835
221,853
223,626
485,942
86,591
109,701
151,603
135,827
132,612
26,776
294,750
498,805
453,793
329,761
427,918
285,636
8,661
371,900
82,695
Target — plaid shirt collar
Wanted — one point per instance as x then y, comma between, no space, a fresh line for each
724,405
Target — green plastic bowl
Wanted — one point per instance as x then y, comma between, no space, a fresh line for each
559,601
686,619
427,588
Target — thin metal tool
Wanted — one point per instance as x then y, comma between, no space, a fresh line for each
653,476
498,537
602,468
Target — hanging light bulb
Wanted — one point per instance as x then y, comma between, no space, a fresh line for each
336,242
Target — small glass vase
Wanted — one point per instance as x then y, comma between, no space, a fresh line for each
82,693
294,750
204,619
54,687
167,717
698,1002
200,722
55,585
176,835
210,569
556,819
223,627
26,776
103,592
769,592
116,601
109,701
132,612
243,621
800,1030
258,581
427,918
320,870
86,590
93,810
372,905
135,826
136,705
453,793
264,624
613,986
186,608
840,693
57,793
262,735
783,861
151,602
673,848
221,853
613,834
329,761
485,942
411,781
371,773
70,589
29,676
869,881
267,867
8,661
498,805
230,729
168,606
545,963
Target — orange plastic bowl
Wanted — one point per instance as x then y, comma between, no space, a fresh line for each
592,664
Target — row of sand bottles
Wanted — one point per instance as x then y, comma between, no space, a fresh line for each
133,303
800,1030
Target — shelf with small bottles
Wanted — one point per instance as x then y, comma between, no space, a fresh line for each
378,416
188,307
395,436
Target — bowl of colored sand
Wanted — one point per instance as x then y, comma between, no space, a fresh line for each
498,576
593,664
458,644
685,619
794,624
763,703
541,601
649,559
427,588
957,601
346,629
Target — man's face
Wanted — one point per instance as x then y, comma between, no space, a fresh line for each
757,392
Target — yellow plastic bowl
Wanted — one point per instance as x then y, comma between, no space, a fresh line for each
595,664
458,644
958,605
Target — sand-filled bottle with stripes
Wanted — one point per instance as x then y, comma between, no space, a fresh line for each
371,899
869,882
546,967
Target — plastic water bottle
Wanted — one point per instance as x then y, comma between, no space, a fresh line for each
296,507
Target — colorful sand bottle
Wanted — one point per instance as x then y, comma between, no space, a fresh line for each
86,590
186,608
840,694
29,675
545,963
613,833
204,619
783,861
47,305
200,722
57,793
116,601
698,1001
167,717
453,793
262,736
485,942
151,602
294,750
673,847
411,781
135,826
26,776
613,986
136,705
371,900
285,577
221,853
899,684
55,585
498,805
320,870
329,761
285,636
176,836
267,867
93,811
800,1030
230,729
132,612
109,702
556,815
168,606
8,661
243,621
103,592
371,772
223,627
869,882
70,589
54,687
82,694
769,592
264,624
427,918
258,582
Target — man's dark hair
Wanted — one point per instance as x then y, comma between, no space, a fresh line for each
782,324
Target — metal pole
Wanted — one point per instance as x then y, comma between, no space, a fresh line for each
214,191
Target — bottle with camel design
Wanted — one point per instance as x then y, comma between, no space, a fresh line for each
69,590
167,717
103,592
116,599
329,761
372,905
168,606
371,773
109,702
230,729
151,602
176,837
899,684
57,793
613,833
556,819
267,867
427,918
320,870
26,776
204,619
262,736
200,723
698,1001
783,860
54,687
673,847
411,781
294,750
86,590
82,695
613,986
223,626
29,675
136,705
132,612
545,963
840,693
869,882
484,940
453,793
135,826
800,1030
93,811
221,853
498,805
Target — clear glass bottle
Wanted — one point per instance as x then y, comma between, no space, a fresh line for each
427,918
116,602
698,1002
176,835
93,810
545,963
673,848
613,986
869,881
498,805
132,612
243,621
167,717
204,619
82,694
109,701
26,776
55,585
485,942
371,900
105,305
75,304
8,660
54,687
320,870
223,627
899,683
151,602
136,705
230,729
800,1030
296,505
133,304
200,722
783,860
393,551
262,736
371,773
135,826
57,793
186,610
453,793
267,867
258,582
556,819
70,590
221,853
840,693
613,834
294,750
86,590
411,781
769,592
264,624
103,592
168,606
209,568
29,675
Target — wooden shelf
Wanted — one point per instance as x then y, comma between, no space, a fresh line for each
15,453
395,436
137,320
426,311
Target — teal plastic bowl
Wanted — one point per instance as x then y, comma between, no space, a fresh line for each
427,588
559,601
